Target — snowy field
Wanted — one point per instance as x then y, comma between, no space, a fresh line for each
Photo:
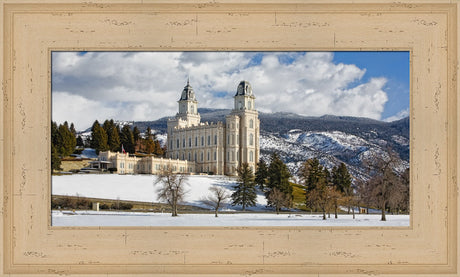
139,187
142,188
92,218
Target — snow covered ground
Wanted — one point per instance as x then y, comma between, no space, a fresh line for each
142,188
92,218
139,187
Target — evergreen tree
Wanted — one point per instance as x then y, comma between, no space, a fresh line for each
316,184
312,173
66,140
278,177
127,139
80,141
261,174
149,143
113,138
54,134
245,192
136,135
98,138
341,180
55,157
72,130
63,142
160,151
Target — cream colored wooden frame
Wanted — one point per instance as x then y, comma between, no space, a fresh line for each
32,29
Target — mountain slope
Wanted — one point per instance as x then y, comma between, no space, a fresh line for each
331,139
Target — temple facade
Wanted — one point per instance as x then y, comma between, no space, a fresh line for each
217,148
194,147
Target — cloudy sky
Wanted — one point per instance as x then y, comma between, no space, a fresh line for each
144,86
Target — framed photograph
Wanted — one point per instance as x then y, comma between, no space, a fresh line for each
33,32
312,134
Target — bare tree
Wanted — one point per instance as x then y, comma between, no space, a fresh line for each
279,199
217,199
334,198
171,188
384,188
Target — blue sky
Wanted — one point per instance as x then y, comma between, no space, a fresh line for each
394,66
146,85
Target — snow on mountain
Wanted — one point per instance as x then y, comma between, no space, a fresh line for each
331,148
161,137
331,139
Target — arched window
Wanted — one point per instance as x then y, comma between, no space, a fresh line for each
251,123
202,141
177,145
189,156
209,156
209,140
189,142
251,139
251,156
215,139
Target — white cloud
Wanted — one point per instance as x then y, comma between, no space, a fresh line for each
400,115
79,110
146,86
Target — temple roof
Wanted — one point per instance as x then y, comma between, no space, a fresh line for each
188,93
244,88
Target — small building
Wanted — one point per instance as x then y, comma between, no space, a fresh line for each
125,163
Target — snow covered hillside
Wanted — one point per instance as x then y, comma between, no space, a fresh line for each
331,148
331,139
140,188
